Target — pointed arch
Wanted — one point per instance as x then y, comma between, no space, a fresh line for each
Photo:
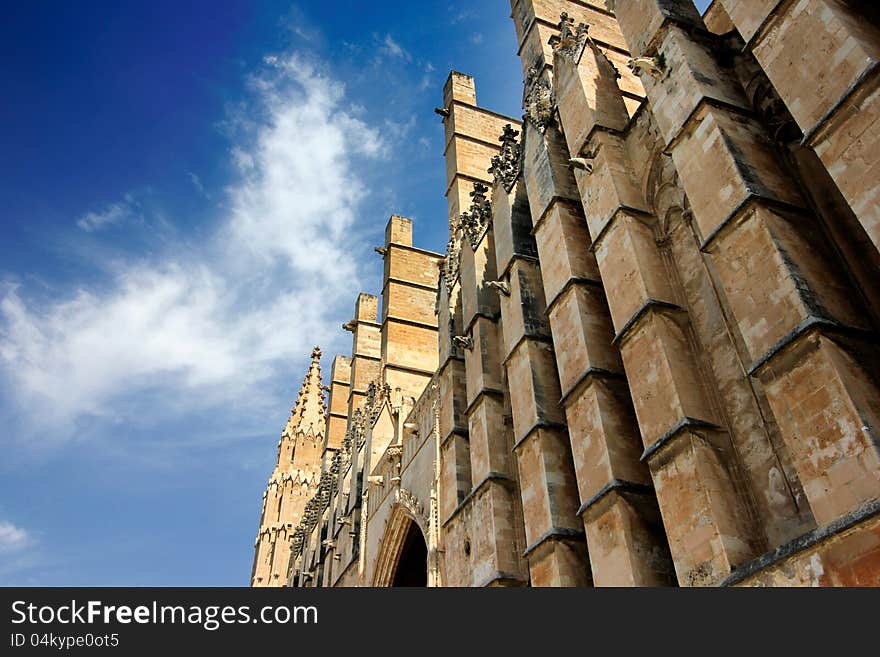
407,515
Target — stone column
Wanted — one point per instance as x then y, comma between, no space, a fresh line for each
409,321
822,57
495,557
556,549
337,402
366,350
801,328
470,144
708,522
624,530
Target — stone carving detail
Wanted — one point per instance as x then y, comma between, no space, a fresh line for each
463,341
413,507
473,223
539,100
452,261
585,164
358,429
571,40
377,395
653,66
507,166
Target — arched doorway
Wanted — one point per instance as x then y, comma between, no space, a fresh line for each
403,552
412,566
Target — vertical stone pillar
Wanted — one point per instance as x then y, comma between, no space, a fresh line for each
621,518
822,57
470,144
536,24
409,321
555,549
366,350
455,462
496,556
799,324
707,521
337,402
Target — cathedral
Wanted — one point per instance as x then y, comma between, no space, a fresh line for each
649,353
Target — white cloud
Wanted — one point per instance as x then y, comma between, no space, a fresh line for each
12,538
197,183
114,213
210,322
394,49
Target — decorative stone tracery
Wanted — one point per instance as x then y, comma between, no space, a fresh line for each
539,99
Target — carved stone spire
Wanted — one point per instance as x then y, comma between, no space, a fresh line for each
294,480
308,414
506,166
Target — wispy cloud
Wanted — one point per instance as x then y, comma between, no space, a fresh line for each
197,183
392,48
12,538
460,15
115,213
209,322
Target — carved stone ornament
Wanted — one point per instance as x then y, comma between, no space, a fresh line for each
653,66
571,40
474,222
452,261
539,100
501,286
506,166
377,395
358,429
411,503
463,341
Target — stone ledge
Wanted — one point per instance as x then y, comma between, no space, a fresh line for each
804,542
669,436
649,305
555,534
586,378
620,485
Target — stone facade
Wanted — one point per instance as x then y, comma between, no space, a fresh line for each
649,355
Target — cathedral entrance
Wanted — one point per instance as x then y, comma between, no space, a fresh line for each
412,566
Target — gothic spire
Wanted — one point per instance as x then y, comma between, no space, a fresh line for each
307,416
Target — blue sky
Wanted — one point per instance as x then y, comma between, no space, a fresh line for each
190,195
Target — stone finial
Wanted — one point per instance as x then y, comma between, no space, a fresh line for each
539,99
307,415
506,166
474,222
571,40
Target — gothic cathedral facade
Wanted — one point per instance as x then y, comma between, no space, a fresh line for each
649,354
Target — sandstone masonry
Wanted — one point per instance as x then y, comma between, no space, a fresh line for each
649,354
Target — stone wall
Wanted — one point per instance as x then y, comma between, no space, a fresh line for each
649,355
